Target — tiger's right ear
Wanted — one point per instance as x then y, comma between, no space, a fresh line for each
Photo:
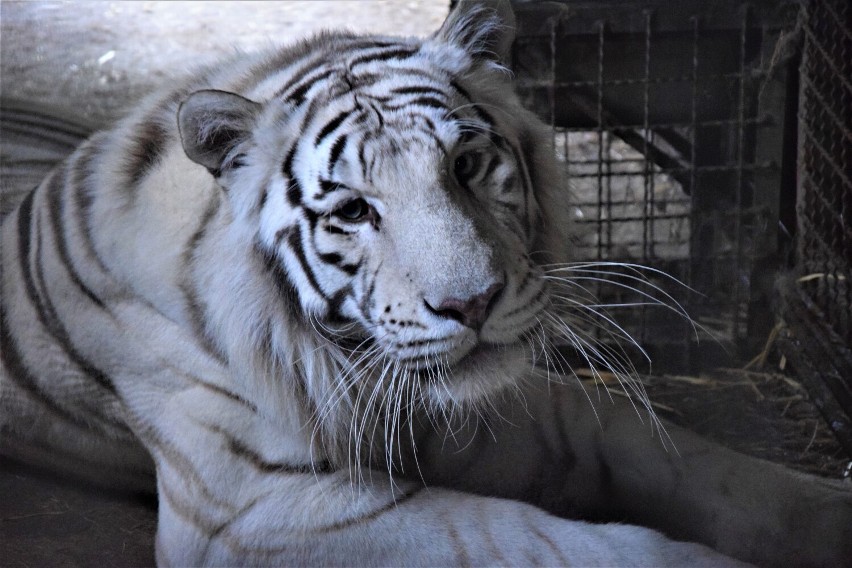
483,28
212,124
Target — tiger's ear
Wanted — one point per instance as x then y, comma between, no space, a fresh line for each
212,124
483,28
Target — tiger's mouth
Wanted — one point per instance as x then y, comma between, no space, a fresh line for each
472,360
485,370
481,358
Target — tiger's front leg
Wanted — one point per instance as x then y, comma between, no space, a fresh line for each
603,462
252,517
238,486
242,502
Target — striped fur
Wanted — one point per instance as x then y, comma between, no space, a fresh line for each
295,285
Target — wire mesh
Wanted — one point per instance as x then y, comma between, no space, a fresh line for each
660,117
825,154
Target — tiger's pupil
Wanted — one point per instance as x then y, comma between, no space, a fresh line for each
353,210
465,166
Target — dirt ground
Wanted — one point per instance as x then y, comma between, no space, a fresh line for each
97,57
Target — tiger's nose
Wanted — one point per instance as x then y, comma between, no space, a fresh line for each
471,312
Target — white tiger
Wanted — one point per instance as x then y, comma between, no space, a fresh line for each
300,286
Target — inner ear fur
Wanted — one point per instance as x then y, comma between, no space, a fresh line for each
212,124
483,28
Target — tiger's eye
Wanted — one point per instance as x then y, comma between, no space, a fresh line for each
466,166
354,210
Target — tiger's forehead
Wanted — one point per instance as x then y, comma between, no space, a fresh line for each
383,94
360,115
330,63
384,111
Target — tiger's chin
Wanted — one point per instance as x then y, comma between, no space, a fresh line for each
485,370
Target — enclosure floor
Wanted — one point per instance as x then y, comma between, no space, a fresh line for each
48,521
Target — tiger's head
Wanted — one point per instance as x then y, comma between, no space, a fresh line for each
403,194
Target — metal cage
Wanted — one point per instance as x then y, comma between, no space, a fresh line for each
816,302
711,141
670,121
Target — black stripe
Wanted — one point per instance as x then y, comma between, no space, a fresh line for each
331,258
241,450
317,62
326,186
363,81
294,190
336,302
283,59
425,101
368,298
430,125
294,193
480,112
196,307
489,121
379,116
145,150
349,269
419,90
336,150
438,142
24,230
261,203
46,311
57,211
371,167
336,260
492,165
80,176
179,461
287,166
526,183
12,359
295,242
335,230
509,184
362,143
461,90
221,391
380,44
512,207
284,286
280,234
297,97
369,516
399,53
312,216
181,508
331,126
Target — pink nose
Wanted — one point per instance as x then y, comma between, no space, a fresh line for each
471,312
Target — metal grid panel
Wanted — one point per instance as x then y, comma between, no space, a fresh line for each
825,155
670,130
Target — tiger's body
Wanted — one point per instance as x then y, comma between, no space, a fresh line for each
293,288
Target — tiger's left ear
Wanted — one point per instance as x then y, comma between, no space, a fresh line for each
213,124
483,28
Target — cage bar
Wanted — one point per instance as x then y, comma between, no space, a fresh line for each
710,141
656,112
